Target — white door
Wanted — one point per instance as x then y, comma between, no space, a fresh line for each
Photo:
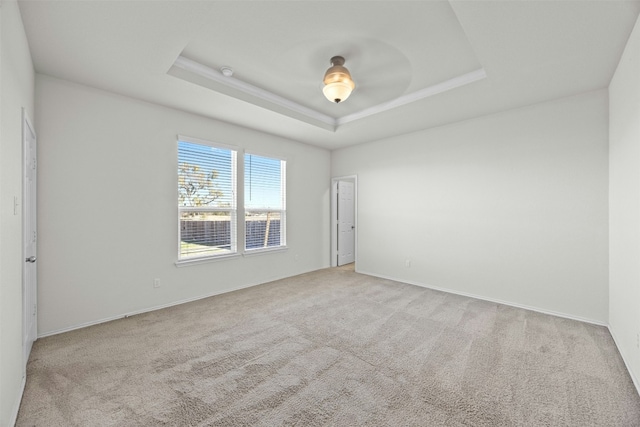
346,223
29,277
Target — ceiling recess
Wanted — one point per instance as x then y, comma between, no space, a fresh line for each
202,75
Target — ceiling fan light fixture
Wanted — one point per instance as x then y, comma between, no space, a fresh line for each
338,83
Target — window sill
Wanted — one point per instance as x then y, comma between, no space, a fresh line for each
252,252
203,260
248,253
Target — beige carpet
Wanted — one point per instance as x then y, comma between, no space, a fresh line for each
331,348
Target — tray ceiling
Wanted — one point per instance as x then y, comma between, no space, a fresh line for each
416,64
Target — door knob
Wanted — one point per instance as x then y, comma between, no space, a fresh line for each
31,259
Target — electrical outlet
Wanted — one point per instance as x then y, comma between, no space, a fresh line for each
156,283
407,263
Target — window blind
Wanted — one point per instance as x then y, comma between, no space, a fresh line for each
206,200
264,202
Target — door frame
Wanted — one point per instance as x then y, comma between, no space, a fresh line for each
27,126
334,217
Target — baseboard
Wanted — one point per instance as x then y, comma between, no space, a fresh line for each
16,407
483,298
160,307
625,360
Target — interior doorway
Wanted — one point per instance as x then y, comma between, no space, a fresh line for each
344,218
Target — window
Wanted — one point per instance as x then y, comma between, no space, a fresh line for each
264,202
206,200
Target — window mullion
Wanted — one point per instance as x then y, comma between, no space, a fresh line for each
241,225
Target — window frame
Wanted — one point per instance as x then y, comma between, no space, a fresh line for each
283,210
233,211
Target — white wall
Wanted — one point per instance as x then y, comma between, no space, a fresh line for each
108,207
509,207
16,92
624,203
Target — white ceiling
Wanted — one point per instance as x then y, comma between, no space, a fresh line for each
398,52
